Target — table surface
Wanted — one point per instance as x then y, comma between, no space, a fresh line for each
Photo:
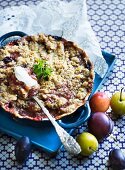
107,18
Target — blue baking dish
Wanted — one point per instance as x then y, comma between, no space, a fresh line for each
43,134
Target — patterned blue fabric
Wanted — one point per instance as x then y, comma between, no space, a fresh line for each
108,21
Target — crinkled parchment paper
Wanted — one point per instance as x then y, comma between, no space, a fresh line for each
56,17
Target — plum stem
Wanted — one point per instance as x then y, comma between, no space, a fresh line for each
121,94
114,138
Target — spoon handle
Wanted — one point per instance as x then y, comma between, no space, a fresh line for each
68,141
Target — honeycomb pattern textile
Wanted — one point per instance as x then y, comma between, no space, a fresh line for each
107,18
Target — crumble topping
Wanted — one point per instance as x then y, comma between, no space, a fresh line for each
66,89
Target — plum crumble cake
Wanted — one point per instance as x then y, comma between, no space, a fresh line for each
63,71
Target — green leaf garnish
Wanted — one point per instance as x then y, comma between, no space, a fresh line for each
41,69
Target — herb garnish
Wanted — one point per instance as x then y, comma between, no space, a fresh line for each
41,69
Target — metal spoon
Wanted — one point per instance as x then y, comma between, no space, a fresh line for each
68,141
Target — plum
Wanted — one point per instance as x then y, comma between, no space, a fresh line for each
100,125
22,149
117,159
118,103
99,102
88,143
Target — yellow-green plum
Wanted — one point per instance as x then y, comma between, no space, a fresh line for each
88,143
118,103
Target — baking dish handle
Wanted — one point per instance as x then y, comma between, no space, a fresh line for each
11,34
85,114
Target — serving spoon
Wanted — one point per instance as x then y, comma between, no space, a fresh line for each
69,143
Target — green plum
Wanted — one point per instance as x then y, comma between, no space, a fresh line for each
88,143
118,103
